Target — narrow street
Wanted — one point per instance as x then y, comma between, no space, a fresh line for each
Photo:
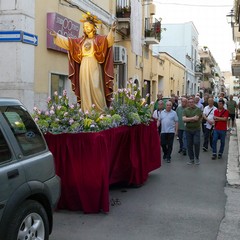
178,202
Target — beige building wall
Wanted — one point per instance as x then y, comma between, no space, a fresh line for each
171,76
48,61
162,73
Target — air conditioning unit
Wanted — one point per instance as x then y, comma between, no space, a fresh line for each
120,55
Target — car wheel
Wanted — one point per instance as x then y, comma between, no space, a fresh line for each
30,222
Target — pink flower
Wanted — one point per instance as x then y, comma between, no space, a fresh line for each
49,99
47,113
93,105
35,119
87,112
72,106
64,92
39,112
52,112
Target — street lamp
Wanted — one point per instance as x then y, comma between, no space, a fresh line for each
231,18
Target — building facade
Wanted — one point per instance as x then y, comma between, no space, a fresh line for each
181,42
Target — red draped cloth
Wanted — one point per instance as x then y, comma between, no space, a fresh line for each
89,162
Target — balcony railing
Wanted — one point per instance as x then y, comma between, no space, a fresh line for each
152,31
123,9
235,68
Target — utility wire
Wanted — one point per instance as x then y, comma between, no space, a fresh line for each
192,5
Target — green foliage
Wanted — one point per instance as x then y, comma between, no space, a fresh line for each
127,108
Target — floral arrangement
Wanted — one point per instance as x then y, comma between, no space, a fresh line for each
127,108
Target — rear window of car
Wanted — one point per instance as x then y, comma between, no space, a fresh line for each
24,128
5,153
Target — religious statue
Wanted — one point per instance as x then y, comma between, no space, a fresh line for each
90,64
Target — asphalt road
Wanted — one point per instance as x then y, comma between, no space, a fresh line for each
178,202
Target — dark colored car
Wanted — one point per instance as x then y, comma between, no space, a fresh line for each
29,186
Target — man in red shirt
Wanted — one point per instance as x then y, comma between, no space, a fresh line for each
220,117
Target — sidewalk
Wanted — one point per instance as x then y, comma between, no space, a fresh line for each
230,226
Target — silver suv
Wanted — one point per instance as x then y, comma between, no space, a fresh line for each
29,187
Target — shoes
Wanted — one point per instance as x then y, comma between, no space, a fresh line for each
168,160
184,152
197,162
177,138
190,162
180,150
214,157
204,149
164,157
219,156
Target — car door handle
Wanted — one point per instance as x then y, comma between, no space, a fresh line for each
12,174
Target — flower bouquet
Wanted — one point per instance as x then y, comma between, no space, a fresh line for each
127,108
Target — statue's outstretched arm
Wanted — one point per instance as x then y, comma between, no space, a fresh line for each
59,40
110,36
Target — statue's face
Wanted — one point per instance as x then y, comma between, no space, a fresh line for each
88,27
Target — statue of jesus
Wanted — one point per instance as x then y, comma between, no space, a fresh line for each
90,64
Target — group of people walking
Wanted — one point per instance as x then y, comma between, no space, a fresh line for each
188,117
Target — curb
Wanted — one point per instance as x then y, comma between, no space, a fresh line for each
229,228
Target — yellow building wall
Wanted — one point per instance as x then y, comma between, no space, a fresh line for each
47,61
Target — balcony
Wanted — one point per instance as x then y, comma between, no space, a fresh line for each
123,9
237,57
152,31
235,68
123,13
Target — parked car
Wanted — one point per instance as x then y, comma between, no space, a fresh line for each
29,186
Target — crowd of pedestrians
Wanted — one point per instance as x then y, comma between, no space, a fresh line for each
191,117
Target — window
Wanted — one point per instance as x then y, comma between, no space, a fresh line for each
24,128
58,83
5,153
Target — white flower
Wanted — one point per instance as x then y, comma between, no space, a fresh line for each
148,95
52,112
152,103
35,109
60,97
71,121
72,106
145,82
48,99
59,107
65,114
146,105
47,113
35,119
55,93
93,105
39,112
101,116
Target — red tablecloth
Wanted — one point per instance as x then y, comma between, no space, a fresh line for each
89,162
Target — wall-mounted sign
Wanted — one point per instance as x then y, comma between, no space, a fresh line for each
18,36
63,26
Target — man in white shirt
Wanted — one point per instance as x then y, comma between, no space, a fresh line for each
169,128
208,114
